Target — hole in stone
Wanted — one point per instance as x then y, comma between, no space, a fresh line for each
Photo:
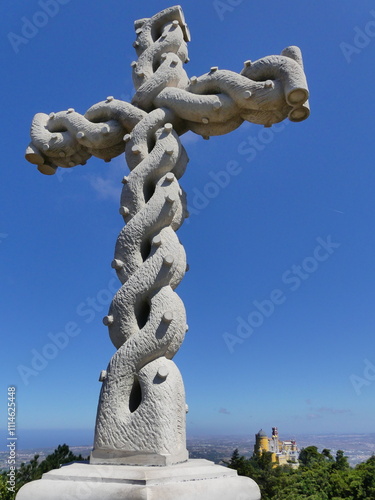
156,32
145,249
135,396
148,190
57,129
97,119
142,312
151,141
212,91
155,65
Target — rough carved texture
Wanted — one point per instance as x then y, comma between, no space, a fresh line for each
141,413
266,92
147,320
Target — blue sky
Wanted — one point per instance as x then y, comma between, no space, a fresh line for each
295,224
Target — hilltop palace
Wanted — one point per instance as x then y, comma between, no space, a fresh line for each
283,452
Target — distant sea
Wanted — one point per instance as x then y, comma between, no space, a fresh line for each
358,447
47,438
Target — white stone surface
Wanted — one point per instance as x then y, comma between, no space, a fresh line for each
141,414
266,91
193,480
152,435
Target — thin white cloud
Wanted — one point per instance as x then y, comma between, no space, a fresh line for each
105,188
190,138
333,411
224,411
108,185
313,416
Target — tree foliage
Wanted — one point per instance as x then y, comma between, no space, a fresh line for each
5,494
35,469
320,476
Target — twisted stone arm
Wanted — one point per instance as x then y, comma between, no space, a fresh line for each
67,138
266,92
219,101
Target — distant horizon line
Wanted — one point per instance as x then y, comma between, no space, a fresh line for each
45,439
70,429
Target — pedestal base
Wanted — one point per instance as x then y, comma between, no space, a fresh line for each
192,480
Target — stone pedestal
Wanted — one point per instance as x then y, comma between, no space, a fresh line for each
192,480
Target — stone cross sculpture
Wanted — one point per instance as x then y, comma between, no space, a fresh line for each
141,412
